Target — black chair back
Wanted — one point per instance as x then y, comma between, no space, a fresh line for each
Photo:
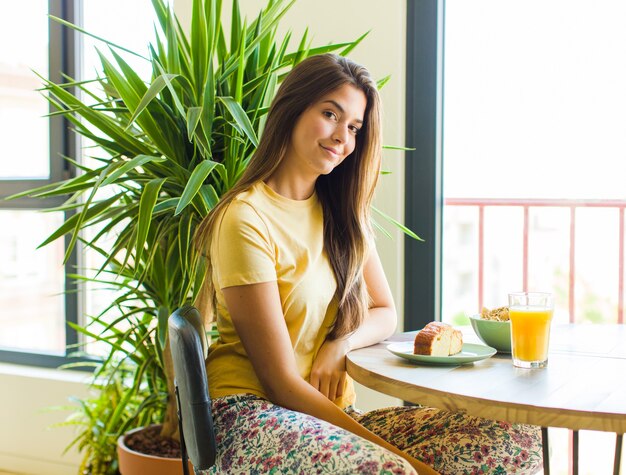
189,344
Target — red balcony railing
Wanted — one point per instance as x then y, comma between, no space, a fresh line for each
526,204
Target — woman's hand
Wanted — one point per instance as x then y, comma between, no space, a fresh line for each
328,373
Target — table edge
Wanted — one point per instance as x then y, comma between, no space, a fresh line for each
485,408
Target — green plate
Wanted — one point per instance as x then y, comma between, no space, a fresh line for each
469,353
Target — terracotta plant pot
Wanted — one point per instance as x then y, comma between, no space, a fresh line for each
136,463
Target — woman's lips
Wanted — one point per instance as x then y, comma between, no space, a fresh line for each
331,151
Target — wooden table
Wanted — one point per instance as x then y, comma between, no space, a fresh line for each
583,387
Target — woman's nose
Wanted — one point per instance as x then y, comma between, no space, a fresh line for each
341,133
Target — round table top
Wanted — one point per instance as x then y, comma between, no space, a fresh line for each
583,386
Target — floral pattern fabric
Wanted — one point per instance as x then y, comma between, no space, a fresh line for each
255,436
454,443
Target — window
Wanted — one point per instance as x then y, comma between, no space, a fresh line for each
533,154
36,297
516,113
33,302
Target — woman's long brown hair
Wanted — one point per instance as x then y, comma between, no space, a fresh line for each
345,194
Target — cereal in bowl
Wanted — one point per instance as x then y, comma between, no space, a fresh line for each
500,314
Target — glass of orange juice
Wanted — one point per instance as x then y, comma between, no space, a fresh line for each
530,314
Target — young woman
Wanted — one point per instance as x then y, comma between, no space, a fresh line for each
295,282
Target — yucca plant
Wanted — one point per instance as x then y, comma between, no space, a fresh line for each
169,147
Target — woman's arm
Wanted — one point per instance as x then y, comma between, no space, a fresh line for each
329,368
258,318
380,323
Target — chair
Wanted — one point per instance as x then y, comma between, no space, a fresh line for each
188,344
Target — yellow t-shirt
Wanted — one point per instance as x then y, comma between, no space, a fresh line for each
264,237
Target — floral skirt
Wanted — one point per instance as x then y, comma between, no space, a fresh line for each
255,436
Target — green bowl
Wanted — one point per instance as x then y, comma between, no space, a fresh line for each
493,333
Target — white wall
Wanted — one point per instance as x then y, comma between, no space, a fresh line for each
26,443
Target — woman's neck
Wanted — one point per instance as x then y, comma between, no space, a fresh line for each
294,187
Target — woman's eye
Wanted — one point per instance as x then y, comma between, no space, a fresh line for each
330,114
354,129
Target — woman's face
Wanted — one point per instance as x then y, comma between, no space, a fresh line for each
325,133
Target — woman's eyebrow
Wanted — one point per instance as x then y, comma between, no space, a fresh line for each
336,104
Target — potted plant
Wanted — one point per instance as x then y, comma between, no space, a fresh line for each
168,147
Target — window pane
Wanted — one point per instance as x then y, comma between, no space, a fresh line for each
538,86
534,123
24,136
32,305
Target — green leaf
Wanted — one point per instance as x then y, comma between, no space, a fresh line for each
381,229
131,88
185,238
166,205
129,165
193,118
163,315
209,196
208,105
397,147
153,91
252,64
241,118
214,26
160,9
399,225
100,121
241,69
346,51
200,173
273,16
267,44
221,48
119,410
303,48
289,58
199,43
168,83
173,51
146,206
235,26
84,216
381,82
97,337
85,32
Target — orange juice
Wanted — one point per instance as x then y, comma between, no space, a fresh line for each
530,332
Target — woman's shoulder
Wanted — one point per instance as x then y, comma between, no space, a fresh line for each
244,209
250,196
239,223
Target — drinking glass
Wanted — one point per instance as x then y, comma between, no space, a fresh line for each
531,314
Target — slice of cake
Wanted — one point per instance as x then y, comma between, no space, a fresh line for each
438,339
